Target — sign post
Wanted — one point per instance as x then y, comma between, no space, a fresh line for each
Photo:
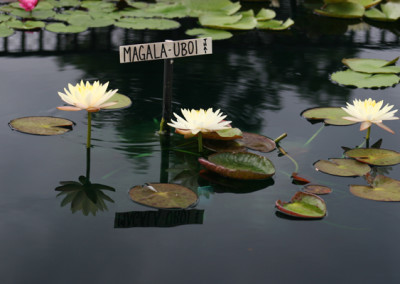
167,51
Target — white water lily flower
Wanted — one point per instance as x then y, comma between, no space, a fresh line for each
200,121
89,97
369,112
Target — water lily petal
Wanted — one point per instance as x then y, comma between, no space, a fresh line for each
69,108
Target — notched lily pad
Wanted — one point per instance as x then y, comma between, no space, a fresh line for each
376,157
122,102
329,115
275,25
317,189
371,66
342,10
364,80
41,125
303,205
239,165
381,188
342,167
257,142
163,195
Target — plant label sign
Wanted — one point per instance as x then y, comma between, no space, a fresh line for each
165,50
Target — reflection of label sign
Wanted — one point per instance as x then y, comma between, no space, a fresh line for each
160,218
165,50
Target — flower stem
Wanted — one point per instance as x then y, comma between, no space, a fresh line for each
200,141
315,135
296,165
367,137
89,130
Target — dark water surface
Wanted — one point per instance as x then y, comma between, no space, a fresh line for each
262,81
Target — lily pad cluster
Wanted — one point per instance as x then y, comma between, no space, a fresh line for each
368,73
73,16
355,9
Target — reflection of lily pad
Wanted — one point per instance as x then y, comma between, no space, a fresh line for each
214,34
303,205
239,165
257,142
376,157
330,115
122,102
41,125
382,188
342,10
317,189
342,167
163,195
367,65
363,80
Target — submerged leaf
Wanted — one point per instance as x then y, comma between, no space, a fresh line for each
382,188
364,80
342,167
376,157
303,205
330,115
41,125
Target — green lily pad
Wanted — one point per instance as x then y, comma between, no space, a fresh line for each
5,31
63,3
122,102
317,189
239,165
247,21
218,19
27,25
275,25
257,142
381,188
376,157
36,14
303,205
342,10
364,80
4,17
41,125
342,167
329,115
265,14
199,7
163,195
88,21
144,23
98,5
230,132
214,34
223,145
167,10
389,12
62,28
371,65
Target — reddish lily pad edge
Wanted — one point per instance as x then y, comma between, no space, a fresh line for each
279,205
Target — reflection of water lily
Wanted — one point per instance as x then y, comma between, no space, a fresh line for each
89,97
369,112
200,121
28,5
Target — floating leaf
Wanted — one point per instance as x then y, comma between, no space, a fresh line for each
122,102
275,25
257,142
26,25
247,21
214,34
376,157
163,195
265,14
5,31
330,115
389,12
317,189
63,3
342,167
98,5
41,125
218,19
4,17
303,205
363,80
342,10
371,65
239,165
223,145
144,23
62,28
382,188
88,21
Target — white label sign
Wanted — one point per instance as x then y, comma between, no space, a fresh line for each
165,50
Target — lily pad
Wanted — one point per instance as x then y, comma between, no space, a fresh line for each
122,102
247,21
303,205
239,165
218,19
226,134
329,115
275,25
371,65
163,195
223,145
317,189
381,188
26,25
363,80
62,28
257,142
342,10
5,31
41,125
265,14
144,23
214,34
342,167
389,12
88,21
376,157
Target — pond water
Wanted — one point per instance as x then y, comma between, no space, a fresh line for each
262,81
